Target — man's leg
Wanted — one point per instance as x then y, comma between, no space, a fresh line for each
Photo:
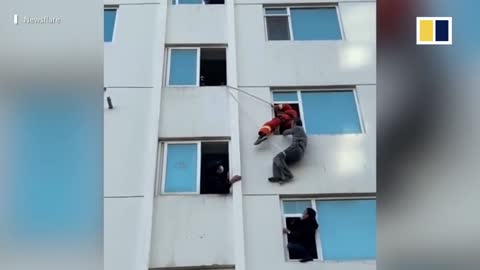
267,129
278,164
298,250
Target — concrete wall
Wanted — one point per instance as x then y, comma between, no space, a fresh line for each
265,246
122,222
133,66
125,141
294,63
128,58
192,231
196,24
194,112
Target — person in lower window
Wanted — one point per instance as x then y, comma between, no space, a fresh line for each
302,236
219,179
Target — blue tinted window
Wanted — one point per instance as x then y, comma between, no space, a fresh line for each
108,24
183,67
330,112
347,229
285,96
181,168
295,207
315,24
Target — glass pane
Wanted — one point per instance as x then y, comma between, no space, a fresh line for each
315,24
330,112
108,24
183,67
277,28
295,207
276,11
347,229
285,96
189,1
181,169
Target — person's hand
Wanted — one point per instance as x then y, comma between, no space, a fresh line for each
286,231
235,178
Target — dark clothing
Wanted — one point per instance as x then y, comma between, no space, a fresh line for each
303,234
290,155
222,185
216,183
299,137
298,251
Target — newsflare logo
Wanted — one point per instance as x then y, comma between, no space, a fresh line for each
434,30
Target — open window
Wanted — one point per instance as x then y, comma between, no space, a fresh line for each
195,168
292,213
214,179
326,111
213,67
290,98
303,23
197,67
346,232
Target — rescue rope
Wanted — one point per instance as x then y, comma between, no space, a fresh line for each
248,94
252,120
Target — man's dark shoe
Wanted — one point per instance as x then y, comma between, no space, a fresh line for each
260,140
274,179
285,180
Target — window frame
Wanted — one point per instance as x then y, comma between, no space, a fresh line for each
318,241
169,58
199,57
203,3
300,105
289,18
114,30
162,165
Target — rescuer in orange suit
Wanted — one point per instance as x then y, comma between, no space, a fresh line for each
284,116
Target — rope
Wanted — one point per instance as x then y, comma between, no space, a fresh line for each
248,94
252,120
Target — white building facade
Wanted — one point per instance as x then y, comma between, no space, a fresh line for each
173,71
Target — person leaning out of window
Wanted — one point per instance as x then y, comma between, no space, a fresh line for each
302,236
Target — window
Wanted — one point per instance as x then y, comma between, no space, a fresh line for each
197,67
206,2
191,167
290,98
347,227
109,15
324,112
302,23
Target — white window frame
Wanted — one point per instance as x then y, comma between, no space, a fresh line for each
164,166
162,163
198,49
313,204
199,52
298,101
289,19
112,7
203,3
300,105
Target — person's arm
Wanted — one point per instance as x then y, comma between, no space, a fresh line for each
235,178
